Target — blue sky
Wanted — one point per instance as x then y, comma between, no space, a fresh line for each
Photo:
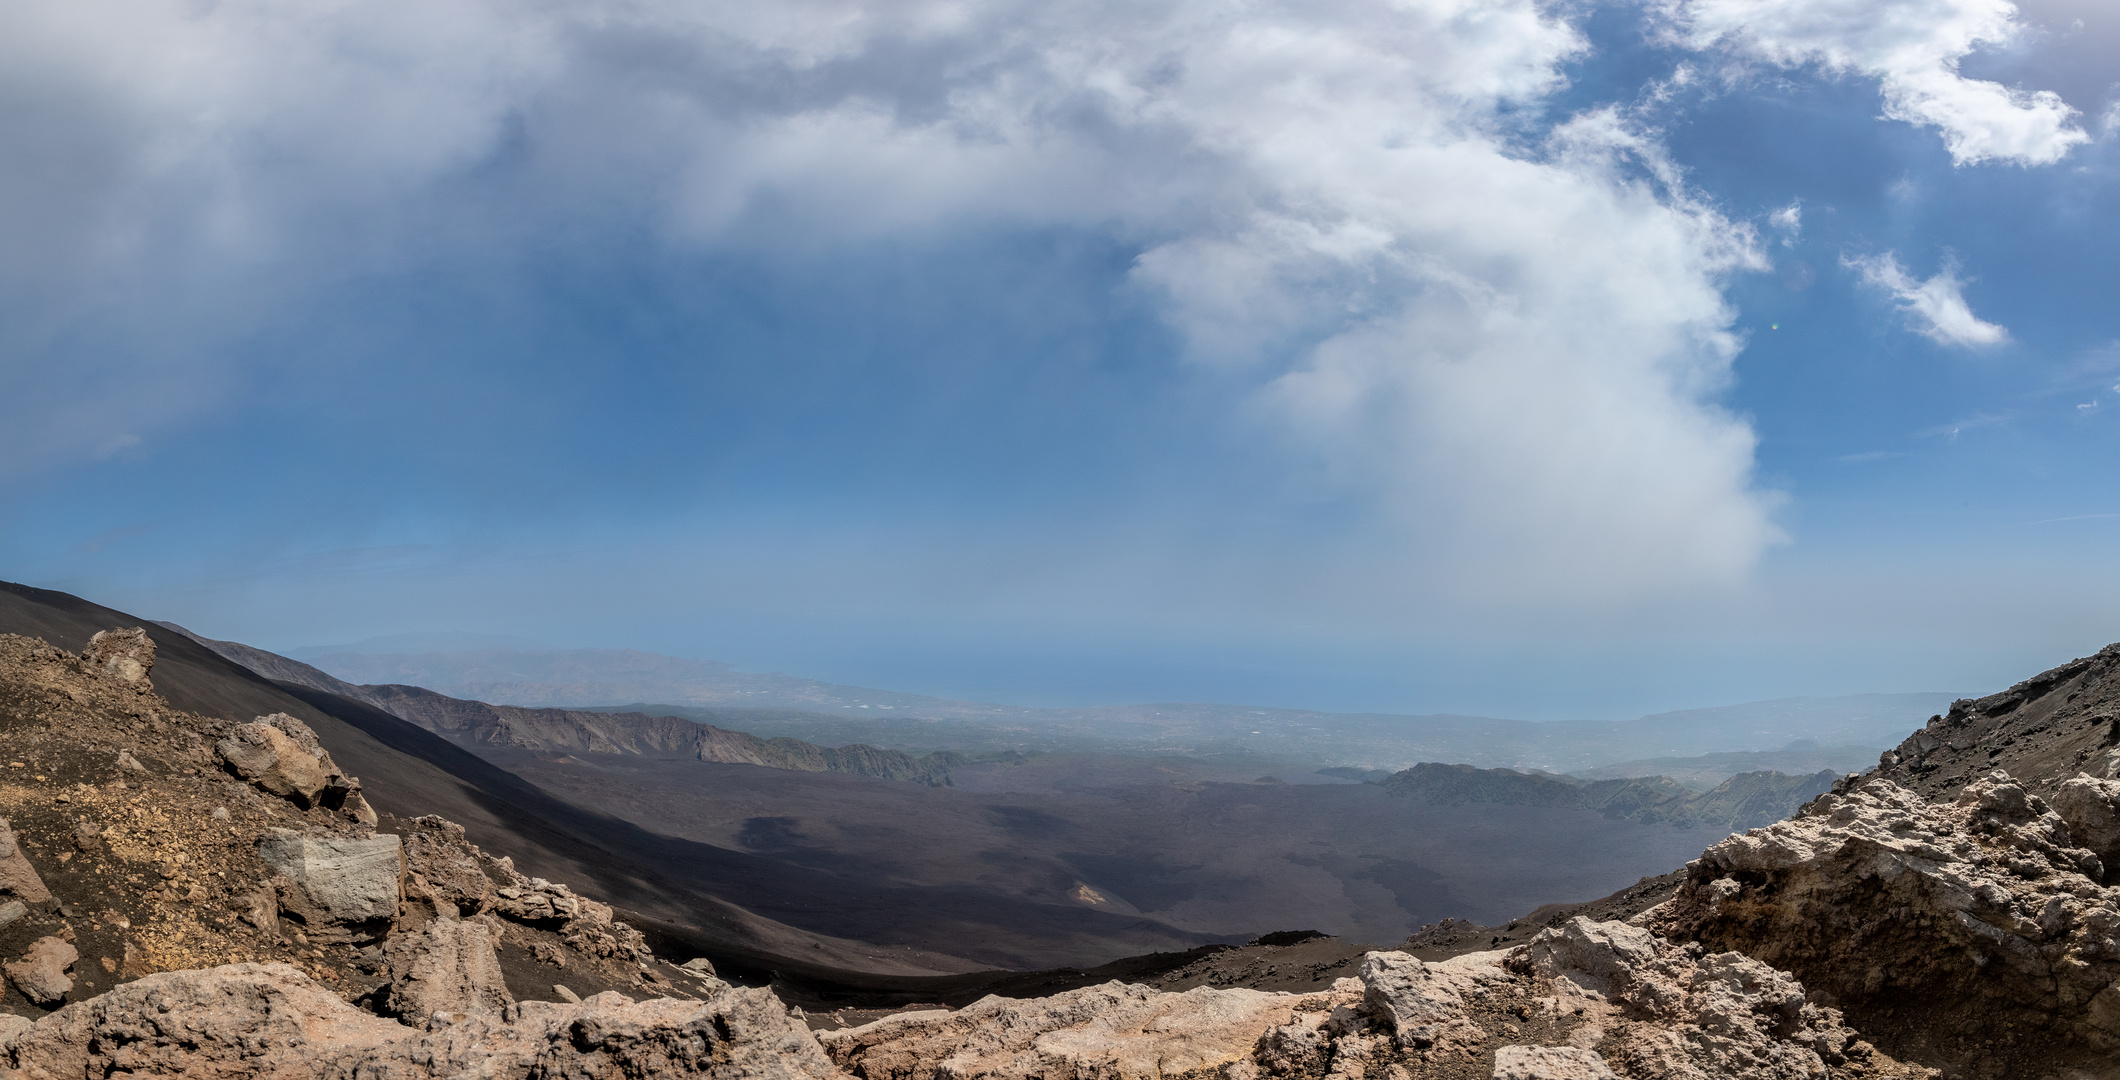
1471,355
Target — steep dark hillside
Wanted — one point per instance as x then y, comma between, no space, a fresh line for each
2043,731
1743,801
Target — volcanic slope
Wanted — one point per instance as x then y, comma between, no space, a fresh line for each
750,913
1164,838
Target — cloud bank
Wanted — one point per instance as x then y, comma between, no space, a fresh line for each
1505,337
1913,47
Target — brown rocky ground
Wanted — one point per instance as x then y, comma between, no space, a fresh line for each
149,851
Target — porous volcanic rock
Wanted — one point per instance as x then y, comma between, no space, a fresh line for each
41,972
1587,999
271,1022
1549,1063
1116,1031
1658,1009
445,865
1974,934
448,967
280,754
126,655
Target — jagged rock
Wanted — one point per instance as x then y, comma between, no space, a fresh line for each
1980,908
125,655
1422,1001
41,973
698,965
18,878
12,1025
268,1022
436,850
271,1022
1115,1031
449,967
1674,1011
341,888
1549,1063
280,754
128,763
539,901
583,923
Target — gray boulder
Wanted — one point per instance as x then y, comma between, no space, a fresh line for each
340,888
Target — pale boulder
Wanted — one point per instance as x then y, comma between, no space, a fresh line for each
341,888
41,972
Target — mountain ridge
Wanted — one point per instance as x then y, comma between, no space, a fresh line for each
470,722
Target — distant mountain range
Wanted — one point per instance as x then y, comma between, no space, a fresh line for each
1744,801
827,713
477,724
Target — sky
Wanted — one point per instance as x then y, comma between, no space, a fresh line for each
1535,359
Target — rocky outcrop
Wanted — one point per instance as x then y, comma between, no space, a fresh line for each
2090,807
271,1022
448,967
125,655
1115,1031
41,972
445,866
1663,1010
1423,1003
18,879
340,888
1585,1000
1975,933
281,755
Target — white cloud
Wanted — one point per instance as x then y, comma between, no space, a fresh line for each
1513,348
1913,48
1935,308
1788,221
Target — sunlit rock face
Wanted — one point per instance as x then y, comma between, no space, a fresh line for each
1919,918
